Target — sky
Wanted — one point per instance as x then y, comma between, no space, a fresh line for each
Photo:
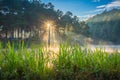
84,8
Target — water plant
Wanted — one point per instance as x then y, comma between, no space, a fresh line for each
70,63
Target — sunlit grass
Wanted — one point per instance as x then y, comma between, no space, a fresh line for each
69,63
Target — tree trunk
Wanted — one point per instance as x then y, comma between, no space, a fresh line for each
21,33
12,34
6,34
30,32
15,33
18,32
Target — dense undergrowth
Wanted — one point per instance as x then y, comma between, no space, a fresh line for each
70,63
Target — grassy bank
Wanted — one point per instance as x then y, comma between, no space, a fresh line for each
70,63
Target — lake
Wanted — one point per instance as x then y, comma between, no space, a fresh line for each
107,48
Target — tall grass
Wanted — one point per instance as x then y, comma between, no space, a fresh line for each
71,63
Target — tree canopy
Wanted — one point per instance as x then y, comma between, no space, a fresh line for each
106,26
18,16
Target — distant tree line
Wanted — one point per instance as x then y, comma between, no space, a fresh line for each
21,17
106,26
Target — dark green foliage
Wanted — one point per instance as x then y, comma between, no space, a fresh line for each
106,26
30,15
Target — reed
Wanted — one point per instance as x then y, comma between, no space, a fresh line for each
71,63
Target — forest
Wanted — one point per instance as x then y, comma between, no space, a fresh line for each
22,19
106,26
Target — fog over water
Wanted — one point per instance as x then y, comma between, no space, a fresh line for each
107,48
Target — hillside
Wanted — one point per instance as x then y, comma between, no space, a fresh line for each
106,26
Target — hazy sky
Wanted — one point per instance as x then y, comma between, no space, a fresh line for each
84,8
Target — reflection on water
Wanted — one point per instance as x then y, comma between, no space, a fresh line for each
107,48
